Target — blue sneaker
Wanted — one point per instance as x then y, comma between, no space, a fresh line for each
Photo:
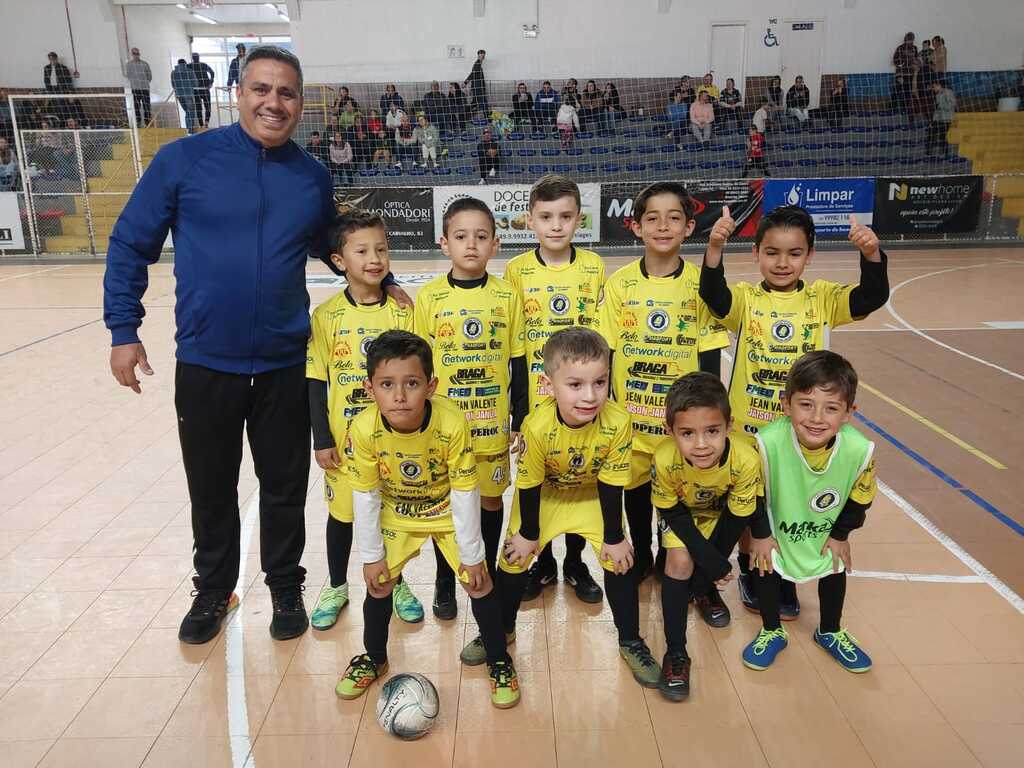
842,646
762,650
407,606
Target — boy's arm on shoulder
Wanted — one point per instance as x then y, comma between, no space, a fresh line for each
873,291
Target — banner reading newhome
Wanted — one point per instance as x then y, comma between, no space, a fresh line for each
929,205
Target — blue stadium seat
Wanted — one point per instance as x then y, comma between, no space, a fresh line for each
466,170
599,150
860,129
516,136
369,172
540,135
538,169
447,136
959,160
733,165
621,149
653,133
907,162
859,161
528,152
392,171
685,166
631,133
807,162
784,164
442,171
835,145
636,119
669,149
636,167
456,154
586,168
468,136
611,167
833,162
417,172
574,151
788,146
738,147
661,166
646,149
606,134
474,153
514,170
505,153
885,162
561,168
480,122
818,131
710,165
814,146
583,135
550,152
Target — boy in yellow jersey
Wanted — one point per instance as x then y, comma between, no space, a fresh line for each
778,320
572,469
560,286
474,321
658,329
706,489
342,328
409,460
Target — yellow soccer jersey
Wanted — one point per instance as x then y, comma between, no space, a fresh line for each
475,333
415,472
655,326
554,297
773,329
342,331
566,458
736,480
863,491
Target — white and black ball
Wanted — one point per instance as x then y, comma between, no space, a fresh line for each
407,706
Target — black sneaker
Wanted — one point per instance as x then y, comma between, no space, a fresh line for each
290,618
577,575
675,677
789,603
714,612
747,594
539,577
445,606
204,619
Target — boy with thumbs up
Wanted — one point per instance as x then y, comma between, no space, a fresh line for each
777,321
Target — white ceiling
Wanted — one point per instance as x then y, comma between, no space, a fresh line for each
223,11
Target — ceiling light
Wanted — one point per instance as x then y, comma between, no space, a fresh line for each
182,6
271,6
200,16
283,16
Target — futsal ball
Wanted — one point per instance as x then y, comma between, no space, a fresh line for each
407,706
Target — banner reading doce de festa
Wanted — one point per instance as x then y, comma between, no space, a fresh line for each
11,236
511,202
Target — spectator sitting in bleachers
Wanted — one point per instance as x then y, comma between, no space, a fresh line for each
567,122
317,149
343,99
678,114
522,106
702,116
435,104
613,104
709,87
374,123
391,96
838,107
686,88
546,104
361,142
776,99
340,157
429,139
490,155
730,103
394,116
8,167
570,90
405,143
797,99
382,145
347,118
591,105
458,108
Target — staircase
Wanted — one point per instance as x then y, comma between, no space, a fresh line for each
990,140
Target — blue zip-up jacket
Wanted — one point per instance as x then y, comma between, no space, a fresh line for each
244,219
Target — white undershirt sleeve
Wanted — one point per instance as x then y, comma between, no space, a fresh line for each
466,514
369,541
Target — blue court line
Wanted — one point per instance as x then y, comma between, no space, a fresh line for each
952,482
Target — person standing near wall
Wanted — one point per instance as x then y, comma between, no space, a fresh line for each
139,76
236,65
183,81
204,82
478,85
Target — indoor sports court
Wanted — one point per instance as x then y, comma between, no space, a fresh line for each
96,523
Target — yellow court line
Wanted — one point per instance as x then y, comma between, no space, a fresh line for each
935,427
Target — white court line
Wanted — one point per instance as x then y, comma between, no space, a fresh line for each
896,329
32,274
234,651
932,339
930,577
958,552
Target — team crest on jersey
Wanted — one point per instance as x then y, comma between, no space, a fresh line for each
577,461
704,495
657,320
559,304
364,345
782,330
825,501
472,328
410,470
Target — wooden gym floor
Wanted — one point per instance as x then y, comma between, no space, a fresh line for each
95,563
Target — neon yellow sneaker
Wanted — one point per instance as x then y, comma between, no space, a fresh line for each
328,606
407,606
359,676
760,653
475,654
504,684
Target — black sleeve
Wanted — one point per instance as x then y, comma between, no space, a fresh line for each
322,437
760,526
703,552
529,513
710,362
873,291
850,519
714,291
520,392
611,511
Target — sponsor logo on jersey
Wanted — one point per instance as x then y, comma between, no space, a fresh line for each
464,375
826,500
460,391
445,331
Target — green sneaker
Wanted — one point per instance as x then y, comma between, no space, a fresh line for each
332,600
359,676
641,663
474,654
407,606
504,684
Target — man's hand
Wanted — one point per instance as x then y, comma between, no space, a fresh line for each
519,549
865,239
403,299
761,554
123,359
620,554
328,458
720,234
479,583
377,575
840,551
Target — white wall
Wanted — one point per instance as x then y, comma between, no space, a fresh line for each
353,40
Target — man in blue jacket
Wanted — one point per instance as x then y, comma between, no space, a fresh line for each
183,81
244,204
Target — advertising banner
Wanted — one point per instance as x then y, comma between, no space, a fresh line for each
408,212
11,236
830,202
934,205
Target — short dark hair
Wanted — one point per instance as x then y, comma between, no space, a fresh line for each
345,224
551,187
786,217
273,53
664,188
826,369
314,133
481,51
546,82
573,345
399,345
466,204
698,389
